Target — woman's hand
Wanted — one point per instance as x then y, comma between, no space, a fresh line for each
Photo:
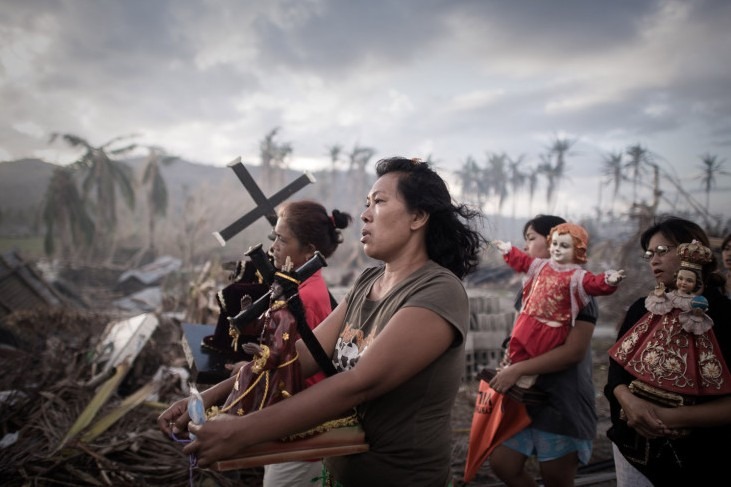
216,439
641,415
505,378
174,419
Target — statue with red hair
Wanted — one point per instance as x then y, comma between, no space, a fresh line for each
554,290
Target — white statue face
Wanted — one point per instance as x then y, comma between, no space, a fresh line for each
562,248
686,280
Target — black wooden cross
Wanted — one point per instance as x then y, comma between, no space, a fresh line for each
265,207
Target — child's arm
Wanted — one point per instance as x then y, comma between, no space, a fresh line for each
613,278
602,284
518,260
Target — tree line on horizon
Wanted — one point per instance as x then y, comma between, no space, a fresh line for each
81,204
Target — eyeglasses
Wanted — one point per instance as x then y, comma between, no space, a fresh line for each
660,250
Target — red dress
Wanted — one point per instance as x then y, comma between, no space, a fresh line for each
553,294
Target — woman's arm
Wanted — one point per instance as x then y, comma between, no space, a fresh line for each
571,352
708,414
386,364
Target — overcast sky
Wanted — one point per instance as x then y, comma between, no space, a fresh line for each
207,80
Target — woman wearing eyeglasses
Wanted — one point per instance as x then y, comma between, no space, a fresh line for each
669,445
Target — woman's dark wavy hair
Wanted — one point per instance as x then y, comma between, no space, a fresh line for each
450,241
679,230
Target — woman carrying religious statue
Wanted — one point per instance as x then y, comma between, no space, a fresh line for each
563,427
554,291
302,228
668,383
396,340
672,351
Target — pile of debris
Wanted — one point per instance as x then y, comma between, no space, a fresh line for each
61,424
81,391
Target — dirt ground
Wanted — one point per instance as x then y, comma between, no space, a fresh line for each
598,472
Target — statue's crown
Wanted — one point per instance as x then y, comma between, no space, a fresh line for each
694,255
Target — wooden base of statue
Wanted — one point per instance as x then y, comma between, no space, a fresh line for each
347,440
207,366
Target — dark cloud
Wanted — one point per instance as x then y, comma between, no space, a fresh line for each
457,78
336,36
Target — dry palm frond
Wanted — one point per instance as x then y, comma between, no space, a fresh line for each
127,405
47,396
96,403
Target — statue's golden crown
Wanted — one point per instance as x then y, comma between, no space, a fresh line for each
694,254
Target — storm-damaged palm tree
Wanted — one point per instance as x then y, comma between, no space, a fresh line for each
553,174
65,218
157,191
612,169
103,179
469,180
639,159
516,178
560,149
273,156
334,152
532,175
358,159
711,167
495,177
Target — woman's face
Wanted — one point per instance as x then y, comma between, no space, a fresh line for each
535,244
286,245
663,258
726,255
386,219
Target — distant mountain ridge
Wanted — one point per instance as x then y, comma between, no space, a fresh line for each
197,191
23,183
210,197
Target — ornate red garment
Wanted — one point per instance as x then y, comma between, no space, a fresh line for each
553,294
670,352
